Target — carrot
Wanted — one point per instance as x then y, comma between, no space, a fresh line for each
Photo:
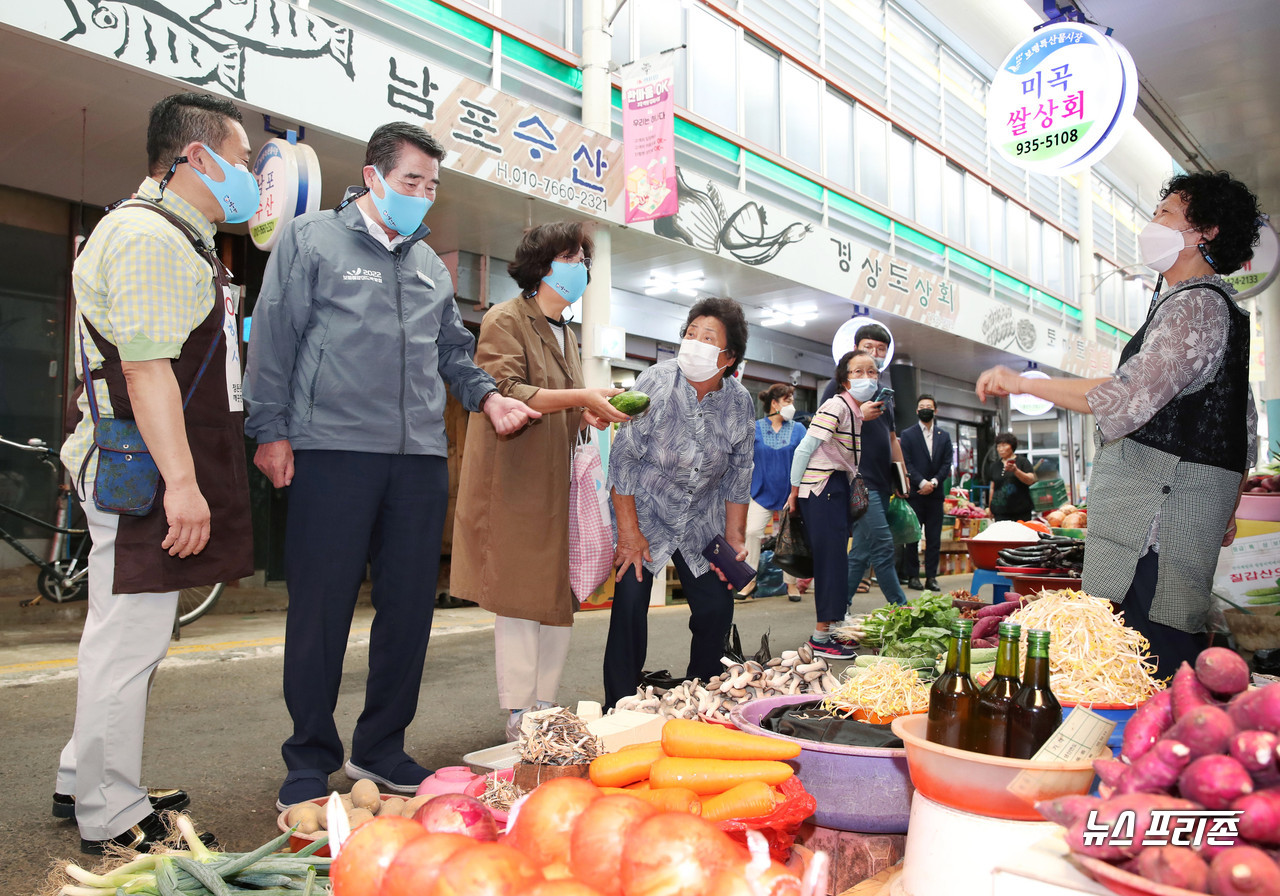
706,776
651,743
623,768
702,740
639,785
750,800
671,799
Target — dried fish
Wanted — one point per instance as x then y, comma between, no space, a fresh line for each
560,738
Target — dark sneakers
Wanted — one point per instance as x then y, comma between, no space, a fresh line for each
833,648
163,799
403,777
144,836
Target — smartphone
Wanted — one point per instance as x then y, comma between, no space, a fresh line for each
885,394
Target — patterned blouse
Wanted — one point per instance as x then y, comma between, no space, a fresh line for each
682,460
1184,346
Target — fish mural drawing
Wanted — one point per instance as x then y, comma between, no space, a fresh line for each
204,41
703,221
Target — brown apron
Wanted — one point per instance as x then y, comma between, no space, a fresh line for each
216,437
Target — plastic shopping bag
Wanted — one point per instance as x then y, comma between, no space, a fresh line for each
903,521
590,530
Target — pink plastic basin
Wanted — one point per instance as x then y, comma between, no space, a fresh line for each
864,789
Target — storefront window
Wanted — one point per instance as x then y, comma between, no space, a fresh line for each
801,111
873,178
928,176
977,202
901,175
713,60
543,19
837,138
953,181
760,100
997,208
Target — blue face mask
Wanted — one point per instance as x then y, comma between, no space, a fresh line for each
569,280
401,213
237,193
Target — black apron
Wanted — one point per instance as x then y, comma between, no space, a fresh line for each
215,434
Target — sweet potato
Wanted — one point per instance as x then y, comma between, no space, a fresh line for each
1003,608
1205,730
1222,671
1243,871
1140,804
1067,810
1175,866
1260,816
1256,709
1157,770
984,627
1149,721
1111,771
1188,692
1215,782
1255,750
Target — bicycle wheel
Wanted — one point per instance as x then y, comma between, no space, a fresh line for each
70,583
195,602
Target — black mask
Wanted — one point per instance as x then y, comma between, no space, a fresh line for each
925,414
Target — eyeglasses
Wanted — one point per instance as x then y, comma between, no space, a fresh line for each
575,258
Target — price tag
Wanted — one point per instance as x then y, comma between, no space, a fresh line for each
1082,736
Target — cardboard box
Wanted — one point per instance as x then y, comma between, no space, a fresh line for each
624,727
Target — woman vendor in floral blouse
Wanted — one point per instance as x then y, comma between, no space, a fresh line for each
1176,423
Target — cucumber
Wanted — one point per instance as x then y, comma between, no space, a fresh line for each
1262,592
630,402
981,656
911,662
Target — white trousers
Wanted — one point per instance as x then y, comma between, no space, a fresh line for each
757,519
125,637
530,659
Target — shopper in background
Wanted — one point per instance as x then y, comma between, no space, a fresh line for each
680,474
777,435
517,484
926,447
150,313
1177,426
1010,476
355,335
825,463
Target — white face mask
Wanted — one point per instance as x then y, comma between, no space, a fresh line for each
1159,246
787,411
697,360
861,390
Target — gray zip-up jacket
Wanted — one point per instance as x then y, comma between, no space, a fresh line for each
351,344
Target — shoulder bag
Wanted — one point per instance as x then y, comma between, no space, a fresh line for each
858,497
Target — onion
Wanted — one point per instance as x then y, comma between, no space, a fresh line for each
367,853
676,854
416,866
543,825
456,813
599,838
485,869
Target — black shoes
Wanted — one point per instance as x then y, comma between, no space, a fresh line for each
144,836
915,585
163,799
932,585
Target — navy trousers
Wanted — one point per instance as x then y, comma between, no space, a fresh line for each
348,509
929,510
1169,646
710,616
826,520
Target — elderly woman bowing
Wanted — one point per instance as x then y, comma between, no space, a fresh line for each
680,474
1177,427
517,485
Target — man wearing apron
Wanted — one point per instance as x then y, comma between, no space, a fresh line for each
158,333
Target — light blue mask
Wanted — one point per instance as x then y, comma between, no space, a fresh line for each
862,390
401,213
569,280
238,191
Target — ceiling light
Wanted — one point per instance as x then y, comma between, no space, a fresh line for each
796,318
686,285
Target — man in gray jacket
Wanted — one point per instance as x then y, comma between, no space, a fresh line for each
355,334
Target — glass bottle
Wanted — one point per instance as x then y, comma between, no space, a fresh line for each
1035,713
991,712
953,694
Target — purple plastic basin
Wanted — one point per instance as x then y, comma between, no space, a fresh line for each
864,789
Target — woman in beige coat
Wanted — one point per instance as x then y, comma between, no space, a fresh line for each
511,528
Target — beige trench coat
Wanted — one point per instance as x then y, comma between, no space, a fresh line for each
511,529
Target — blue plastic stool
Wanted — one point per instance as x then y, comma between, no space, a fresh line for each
999,584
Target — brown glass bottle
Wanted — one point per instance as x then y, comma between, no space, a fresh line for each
990,733
1035,713
953,694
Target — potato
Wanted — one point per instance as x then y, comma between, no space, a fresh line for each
347,802
365,795
411,806
393,806
359,817
302,811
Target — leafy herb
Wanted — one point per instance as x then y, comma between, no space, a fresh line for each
915,629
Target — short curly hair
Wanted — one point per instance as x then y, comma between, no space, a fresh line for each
1007,438
841,375
1216,199
730,315
540,245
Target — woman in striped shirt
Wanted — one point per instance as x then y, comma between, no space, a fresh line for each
824,465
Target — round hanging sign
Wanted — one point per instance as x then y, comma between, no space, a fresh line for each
1259,271
288,185
843,342
1061,99
1030,405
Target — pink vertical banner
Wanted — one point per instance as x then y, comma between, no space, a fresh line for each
649,135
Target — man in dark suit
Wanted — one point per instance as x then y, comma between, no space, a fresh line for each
927,450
